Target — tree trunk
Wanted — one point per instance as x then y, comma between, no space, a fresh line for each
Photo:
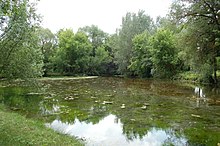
215,70
214,62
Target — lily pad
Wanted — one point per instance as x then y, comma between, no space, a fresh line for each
107,102
196,116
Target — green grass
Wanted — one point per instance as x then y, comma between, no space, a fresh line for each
19,131
189,76
192,76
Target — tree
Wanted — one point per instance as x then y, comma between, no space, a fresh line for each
110,46
169,24
164,56
73,53
99,63
47,42
83,52
203,30
141,63
102,55
96,36
132,24
20,56
65,41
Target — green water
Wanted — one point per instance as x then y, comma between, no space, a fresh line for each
118,112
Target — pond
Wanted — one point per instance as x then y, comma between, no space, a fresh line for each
115,111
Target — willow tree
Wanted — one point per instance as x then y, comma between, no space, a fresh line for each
20,56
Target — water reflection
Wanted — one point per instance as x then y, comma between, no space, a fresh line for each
198,91
47,110
109,132
154,112
200,97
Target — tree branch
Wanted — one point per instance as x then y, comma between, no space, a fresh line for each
197,15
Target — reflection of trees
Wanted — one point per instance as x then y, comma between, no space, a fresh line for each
135,130
168,109
213,95
175,137
82,107
88,112
48,107
165,111
17,98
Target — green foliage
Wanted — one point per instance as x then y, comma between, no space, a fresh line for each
20,56
206,73
96,36
110,46
185,40
101,59
17,130
202,27
87,52
141,63
59,60
164,56
99,63
166,22
132,24
190,76
72,56
47,43
25,62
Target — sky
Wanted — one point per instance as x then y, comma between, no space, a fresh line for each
106,14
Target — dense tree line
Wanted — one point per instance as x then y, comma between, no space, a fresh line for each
187,39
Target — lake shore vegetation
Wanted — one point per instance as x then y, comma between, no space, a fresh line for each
183,45
20,131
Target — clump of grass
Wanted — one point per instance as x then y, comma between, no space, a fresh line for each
17,130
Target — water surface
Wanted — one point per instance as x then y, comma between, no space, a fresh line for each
116,111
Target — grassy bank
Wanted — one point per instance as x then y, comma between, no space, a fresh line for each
19,131
188,76
194,77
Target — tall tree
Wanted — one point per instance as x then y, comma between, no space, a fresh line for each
73,53
132,24
47,42
99,63
96,36
164,55
203,26
102,54
20,56
141,63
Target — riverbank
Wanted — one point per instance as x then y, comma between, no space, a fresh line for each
20,131
193,77
67,78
